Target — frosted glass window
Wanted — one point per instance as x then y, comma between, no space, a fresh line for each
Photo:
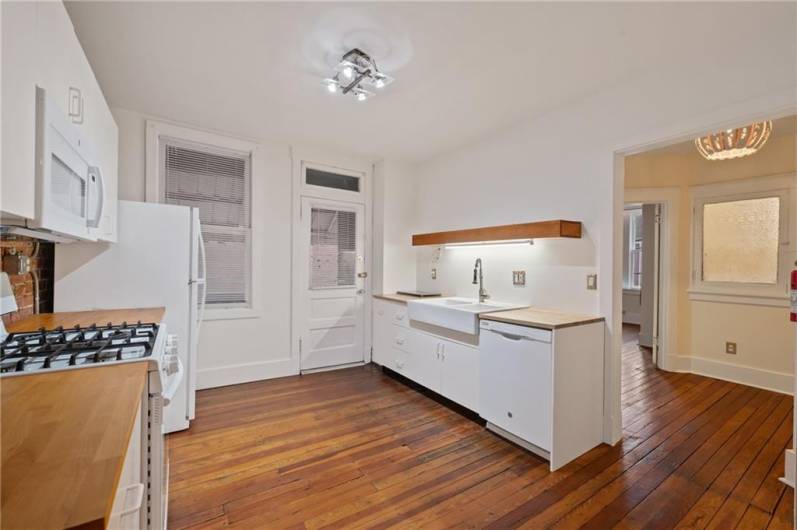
740,241
333,252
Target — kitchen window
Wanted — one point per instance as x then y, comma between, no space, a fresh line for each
740,242
212,173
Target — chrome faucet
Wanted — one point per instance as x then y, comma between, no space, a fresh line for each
477,267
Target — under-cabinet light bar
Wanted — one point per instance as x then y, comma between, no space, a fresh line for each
488,244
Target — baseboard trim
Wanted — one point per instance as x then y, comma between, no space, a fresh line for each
780,382
235,374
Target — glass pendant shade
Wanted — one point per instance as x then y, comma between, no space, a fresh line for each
734,143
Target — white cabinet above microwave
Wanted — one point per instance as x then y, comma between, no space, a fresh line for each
40,49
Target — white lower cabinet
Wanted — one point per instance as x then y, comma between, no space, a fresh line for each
459,381
445,366
543,389
540,388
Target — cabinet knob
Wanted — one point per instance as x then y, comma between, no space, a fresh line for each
509,414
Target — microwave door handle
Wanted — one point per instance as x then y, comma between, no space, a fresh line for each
100,190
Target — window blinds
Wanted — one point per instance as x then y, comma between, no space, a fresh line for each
218,183
333,252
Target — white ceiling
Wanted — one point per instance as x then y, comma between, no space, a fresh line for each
462,70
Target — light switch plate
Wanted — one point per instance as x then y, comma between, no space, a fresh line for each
434,274
592,282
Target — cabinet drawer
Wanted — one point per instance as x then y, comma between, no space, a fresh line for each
400,316
400,338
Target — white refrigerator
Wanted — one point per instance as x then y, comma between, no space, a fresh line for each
159,260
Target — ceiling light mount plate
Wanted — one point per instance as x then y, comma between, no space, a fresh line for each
357,74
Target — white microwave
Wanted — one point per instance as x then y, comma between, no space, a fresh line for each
69,183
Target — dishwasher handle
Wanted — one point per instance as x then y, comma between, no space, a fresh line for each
516,333
510,336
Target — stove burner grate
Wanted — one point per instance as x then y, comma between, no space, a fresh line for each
64,347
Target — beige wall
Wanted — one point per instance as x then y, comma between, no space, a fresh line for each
764,336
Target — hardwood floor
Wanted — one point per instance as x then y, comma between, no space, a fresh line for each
355,448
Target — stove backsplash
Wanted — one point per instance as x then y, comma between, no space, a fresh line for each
42,266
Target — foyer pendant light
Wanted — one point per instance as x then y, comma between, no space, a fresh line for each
734,143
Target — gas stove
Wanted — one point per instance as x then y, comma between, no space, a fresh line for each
76,347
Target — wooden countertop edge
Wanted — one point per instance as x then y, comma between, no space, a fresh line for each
496,317
70,319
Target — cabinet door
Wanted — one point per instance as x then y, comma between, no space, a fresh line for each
18,164
423,363
65,74
57,55
460,374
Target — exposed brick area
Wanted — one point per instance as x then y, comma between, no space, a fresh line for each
23,284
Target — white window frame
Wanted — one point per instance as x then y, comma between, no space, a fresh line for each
155,192
781,186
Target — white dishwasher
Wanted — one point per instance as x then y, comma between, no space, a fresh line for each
516,383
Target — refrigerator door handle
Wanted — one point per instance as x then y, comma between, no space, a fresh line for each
202,280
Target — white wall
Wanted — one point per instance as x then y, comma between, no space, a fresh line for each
395,188
556,273
247,349
562,165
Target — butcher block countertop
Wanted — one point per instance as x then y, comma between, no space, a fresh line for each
540,318
64,436
403,298
86,318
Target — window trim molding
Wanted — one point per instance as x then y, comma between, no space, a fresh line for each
155,189
749,188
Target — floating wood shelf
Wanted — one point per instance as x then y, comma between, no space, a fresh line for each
538,230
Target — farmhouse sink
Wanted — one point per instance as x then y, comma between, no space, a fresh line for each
458,314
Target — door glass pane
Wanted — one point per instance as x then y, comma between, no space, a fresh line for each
333,252
316,177
740,241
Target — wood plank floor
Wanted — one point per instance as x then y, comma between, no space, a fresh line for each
354,448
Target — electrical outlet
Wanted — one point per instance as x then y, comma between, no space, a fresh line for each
730,348
592,282
519,278
434,274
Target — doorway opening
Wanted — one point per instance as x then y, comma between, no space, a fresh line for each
641,281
